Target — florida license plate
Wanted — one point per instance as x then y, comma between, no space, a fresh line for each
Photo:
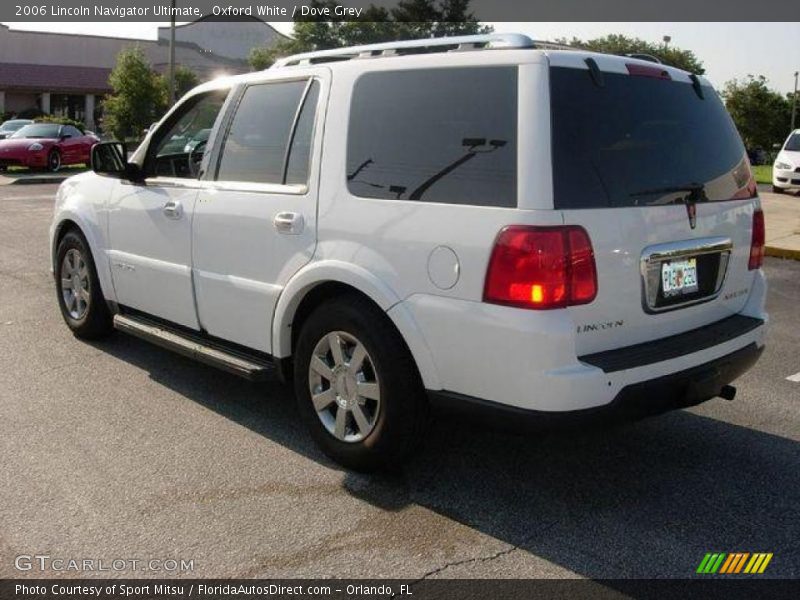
679,277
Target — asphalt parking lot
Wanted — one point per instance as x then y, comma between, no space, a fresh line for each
120,449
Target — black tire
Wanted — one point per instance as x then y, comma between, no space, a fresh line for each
95,321
400,421
54,161
777,190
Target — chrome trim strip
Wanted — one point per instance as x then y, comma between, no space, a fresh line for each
653,256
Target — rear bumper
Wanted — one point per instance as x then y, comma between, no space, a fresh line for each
677,390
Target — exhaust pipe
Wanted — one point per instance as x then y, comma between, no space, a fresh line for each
728,392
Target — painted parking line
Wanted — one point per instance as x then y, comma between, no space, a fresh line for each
47,197
795,378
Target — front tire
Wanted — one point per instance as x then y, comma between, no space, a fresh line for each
79,295
54,161
357,387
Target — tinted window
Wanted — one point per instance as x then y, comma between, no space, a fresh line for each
793,143
632,140
255,147
300,151
435,135
72,131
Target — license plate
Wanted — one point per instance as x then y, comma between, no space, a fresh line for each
679,277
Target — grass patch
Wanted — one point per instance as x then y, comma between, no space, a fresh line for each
763,174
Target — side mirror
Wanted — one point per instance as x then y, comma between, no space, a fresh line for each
111,159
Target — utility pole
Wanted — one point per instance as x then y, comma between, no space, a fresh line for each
794,100
172,55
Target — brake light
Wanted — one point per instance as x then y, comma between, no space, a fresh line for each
541,268
647,71
758,241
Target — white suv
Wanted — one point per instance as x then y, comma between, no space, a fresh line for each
484,222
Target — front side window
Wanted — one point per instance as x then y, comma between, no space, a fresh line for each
71,131
178,152
435,135
266,124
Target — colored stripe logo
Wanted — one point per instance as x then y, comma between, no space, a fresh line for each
734,563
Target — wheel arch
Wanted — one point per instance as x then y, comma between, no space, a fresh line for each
323,281
70,221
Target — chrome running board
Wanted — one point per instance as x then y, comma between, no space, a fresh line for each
195,346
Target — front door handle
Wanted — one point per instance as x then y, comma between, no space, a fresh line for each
173,209
290,223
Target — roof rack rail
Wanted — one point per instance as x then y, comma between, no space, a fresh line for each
441,44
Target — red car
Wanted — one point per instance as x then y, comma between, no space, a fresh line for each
46,146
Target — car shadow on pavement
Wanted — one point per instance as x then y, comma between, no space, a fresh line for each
639,500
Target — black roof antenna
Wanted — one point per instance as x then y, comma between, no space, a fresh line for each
595,72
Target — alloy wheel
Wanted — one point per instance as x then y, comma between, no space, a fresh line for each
344,387
75,284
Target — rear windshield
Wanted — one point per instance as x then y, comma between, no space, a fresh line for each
638,141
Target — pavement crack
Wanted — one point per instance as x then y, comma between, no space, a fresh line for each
466,561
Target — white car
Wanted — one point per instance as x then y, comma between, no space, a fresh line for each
786,170
512,228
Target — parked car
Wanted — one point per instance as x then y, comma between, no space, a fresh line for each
12,125
508,229
46,146
786,170
757,156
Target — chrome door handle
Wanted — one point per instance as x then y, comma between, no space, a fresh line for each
173,209
290,223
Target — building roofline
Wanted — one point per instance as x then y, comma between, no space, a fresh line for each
65,33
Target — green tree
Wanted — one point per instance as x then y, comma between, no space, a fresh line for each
410,19
621,45
762,115
185,80
138,98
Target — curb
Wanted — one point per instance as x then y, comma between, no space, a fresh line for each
777,252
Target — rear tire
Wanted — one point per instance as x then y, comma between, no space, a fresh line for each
380,428
78,289
777,190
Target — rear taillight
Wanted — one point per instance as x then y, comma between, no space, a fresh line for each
758,241
541,268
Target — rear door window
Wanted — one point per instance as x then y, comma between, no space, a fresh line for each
638,141
435,135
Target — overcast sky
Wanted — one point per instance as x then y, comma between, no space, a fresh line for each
728,50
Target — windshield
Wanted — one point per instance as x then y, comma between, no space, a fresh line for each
793,143
13,125
38,130
639,141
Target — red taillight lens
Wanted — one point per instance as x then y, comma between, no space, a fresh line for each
758,241
541,267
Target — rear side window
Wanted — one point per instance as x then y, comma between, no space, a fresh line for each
255,147
638,141
435,135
